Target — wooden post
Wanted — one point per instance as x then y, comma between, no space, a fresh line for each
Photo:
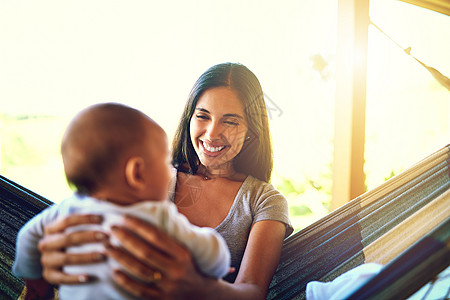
350,102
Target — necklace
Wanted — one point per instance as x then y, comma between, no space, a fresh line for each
205,174
209,177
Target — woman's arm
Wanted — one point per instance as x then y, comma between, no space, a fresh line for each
154,253
262,254
261,258
53,256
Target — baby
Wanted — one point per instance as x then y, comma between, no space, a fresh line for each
117,159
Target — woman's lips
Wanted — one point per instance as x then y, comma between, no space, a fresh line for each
211,150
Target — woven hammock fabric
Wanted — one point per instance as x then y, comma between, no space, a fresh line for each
17,206
348,236
412,269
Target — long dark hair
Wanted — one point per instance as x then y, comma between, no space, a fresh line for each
255,157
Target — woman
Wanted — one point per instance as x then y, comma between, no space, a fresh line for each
223,156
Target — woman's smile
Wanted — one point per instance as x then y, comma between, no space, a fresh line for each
211,150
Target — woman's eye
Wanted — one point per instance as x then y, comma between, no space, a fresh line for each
232,123
201,117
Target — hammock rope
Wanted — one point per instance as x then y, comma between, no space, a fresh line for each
441,78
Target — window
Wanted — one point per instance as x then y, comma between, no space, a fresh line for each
59,57
407,109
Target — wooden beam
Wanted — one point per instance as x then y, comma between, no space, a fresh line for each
440,6
350,102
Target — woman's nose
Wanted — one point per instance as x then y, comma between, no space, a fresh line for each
214,131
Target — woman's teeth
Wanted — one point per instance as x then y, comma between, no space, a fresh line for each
212,149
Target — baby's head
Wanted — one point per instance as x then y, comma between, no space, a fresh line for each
114,152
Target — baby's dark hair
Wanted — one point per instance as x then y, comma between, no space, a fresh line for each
96,142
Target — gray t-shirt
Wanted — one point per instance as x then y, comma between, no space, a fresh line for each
255,201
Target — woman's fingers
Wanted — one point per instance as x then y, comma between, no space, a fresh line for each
52,247
157,267
131,264
159,239
141,290
141,254
58,259
162,287
72,220
146,251
59,241
55,240
56,276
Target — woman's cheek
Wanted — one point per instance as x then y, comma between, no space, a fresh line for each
192,132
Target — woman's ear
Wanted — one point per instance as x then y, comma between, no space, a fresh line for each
134,172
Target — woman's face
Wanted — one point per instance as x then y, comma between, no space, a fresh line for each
218,128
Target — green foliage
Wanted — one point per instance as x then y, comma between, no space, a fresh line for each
308,199
288,186
28,140
16,150
299,210
392,174
30,153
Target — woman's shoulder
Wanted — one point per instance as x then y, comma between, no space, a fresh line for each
259,185
258,190
268,203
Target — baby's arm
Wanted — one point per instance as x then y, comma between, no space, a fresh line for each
27,262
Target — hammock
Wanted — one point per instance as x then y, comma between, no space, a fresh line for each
17,206
375,227
393,216
401,278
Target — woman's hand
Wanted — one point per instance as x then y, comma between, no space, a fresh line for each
52,248
164,267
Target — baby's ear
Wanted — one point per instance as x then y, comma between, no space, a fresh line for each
134,172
